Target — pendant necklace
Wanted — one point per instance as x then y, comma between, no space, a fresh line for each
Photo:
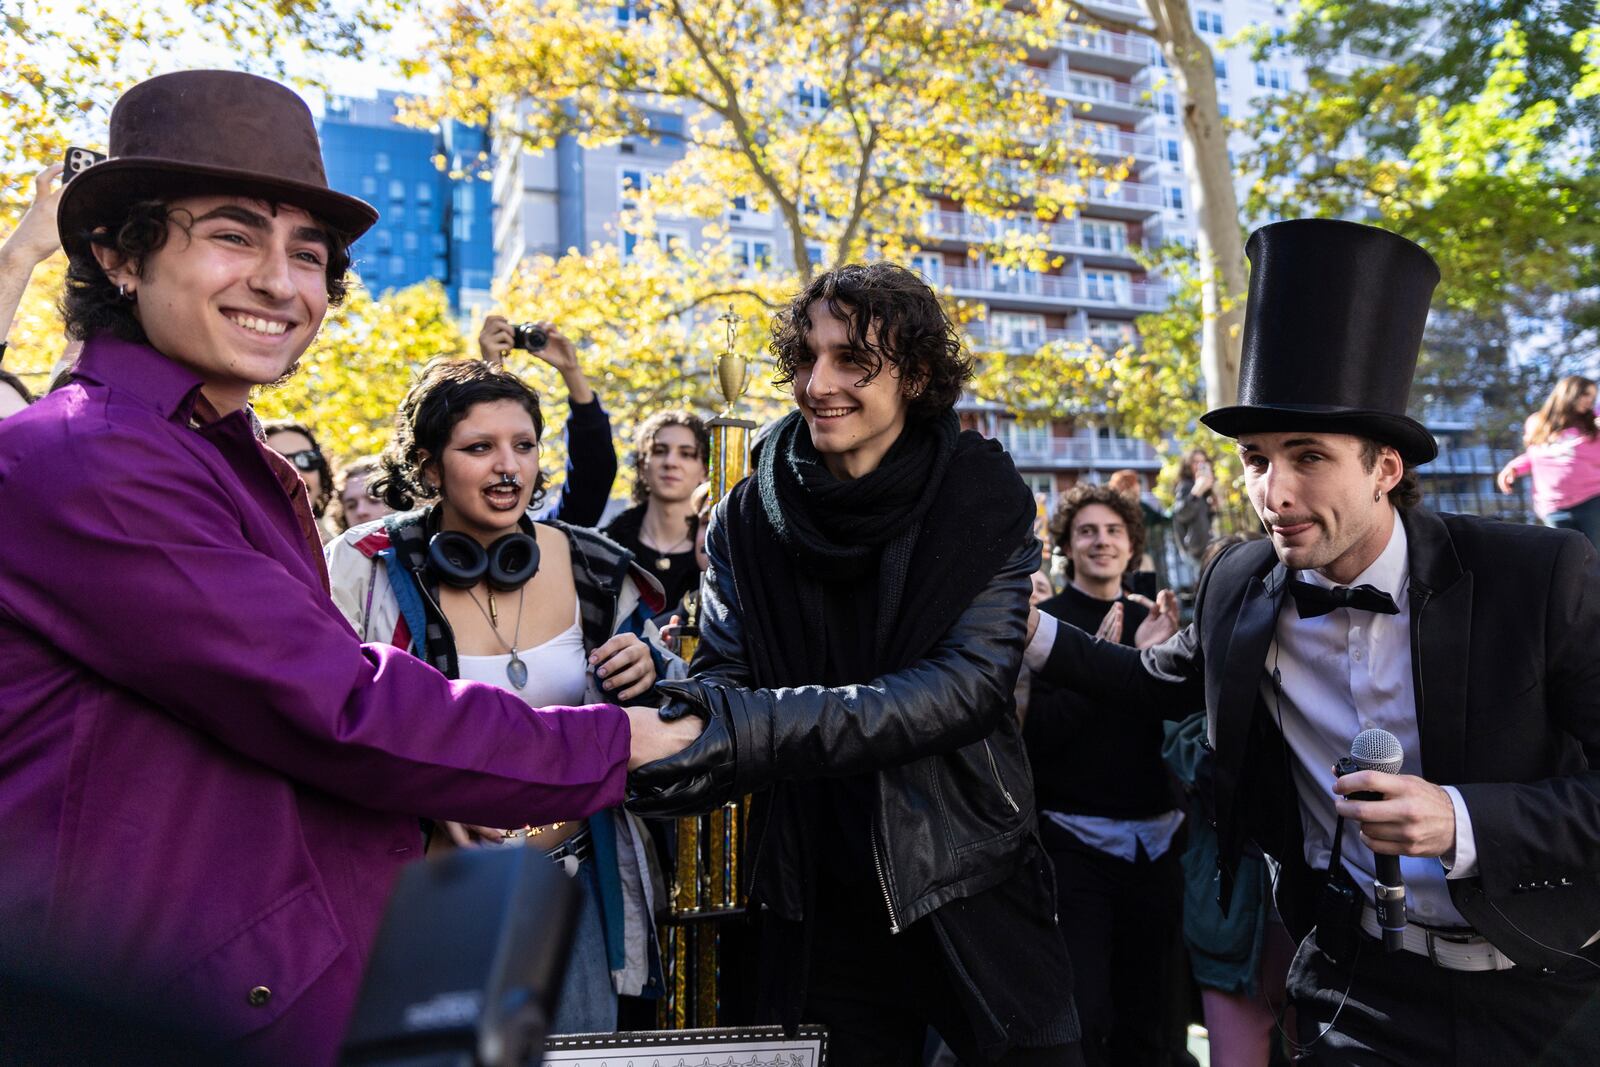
664,559
516,670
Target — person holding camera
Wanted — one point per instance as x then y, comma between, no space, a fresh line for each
30,244
591,455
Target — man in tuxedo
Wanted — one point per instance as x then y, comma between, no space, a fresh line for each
1472,641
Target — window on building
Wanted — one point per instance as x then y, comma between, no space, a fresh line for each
384,239
369,186
1093,88
631,11
440,268
1274,78
1013,280
380,163
752,253
408,240
1220,65
1107,285
665,127
1110,334
424,192
1169,104
1208,21
1172,197
930,265
811,97
1015,330
1170,150
1224,108
397,265
1109,236
814,253
1030,440
397,189
395,213
438,242
669,240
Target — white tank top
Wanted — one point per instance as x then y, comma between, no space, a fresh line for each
558,670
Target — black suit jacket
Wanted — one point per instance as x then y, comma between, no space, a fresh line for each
1505,648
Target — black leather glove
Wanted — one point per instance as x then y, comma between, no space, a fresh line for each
701,777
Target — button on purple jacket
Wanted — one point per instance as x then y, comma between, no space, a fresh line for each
207,783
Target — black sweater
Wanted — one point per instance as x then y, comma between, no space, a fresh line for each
1090,757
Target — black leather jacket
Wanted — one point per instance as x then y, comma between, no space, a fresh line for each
954,811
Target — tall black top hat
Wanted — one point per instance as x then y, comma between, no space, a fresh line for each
1331,334
199,132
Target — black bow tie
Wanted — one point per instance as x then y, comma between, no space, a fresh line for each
1313,600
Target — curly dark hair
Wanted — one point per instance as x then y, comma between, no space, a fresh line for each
644,439
1081,496
442,396
891,315
319,506
90,302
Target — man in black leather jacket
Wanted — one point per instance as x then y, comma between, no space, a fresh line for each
862,629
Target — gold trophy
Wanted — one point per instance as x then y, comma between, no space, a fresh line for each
705,886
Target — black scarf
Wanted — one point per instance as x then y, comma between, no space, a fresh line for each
945,509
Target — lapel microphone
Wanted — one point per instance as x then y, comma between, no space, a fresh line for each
1379,750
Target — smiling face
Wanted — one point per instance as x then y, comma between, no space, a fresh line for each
487,470
1100,547
1315,495
673,467
853,424
236,293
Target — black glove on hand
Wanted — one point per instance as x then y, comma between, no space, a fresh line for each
701,777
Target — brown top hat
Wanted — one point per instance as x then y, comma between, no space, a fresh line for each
204,132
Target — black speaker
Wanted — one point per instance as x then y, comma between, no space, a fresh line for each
467,964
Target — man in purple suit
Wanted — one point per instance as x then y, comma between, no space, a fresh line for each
207,783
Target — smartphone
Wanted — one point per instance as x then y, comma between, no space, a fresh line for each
77,160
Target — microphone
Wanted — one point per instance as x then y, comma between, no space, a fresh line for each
1379,750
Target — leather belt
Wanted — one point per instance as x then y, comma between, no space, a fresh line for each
1454,950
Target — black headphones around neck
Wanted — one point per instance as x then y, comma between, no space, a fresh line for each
458,560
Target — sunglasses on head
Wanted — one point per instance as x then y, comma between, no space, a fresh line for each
308,460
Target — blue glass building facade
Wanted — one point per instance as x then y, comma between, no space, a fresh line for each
431,225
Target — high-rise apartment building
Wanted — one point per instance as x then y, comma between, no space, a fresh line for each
1124,107
432,225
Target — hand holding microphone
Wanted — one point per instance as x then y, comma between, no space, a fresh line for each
1399,815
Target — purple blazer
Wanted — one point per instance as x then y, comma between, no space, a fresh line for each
207,783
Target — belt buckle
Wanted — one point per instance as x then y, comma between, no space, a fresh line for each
1431,936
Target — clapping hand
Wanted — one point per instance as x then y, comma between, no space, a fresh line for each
1161,623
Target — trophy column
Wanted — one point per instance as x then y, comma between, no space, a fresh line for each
706,882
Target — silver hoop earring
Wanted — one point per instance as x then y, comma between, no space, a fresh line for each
1377,495
122,292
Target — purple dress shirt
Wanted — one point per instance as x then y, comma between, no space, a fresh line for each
207,783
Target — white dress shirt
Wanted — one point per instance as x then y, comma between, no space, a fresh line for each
1339,674
1342,673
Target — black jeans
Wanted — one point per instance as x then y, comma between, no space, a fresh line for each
878,993
1122,922
1399,1010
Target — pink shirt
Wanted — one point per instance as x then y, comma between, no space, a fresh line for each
1566,470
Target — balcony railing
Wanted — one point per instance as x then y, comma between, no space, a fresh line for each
1069,235
1125,193
1122,45
1142,295
1094,90
1022,341
1116,142
1085,451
